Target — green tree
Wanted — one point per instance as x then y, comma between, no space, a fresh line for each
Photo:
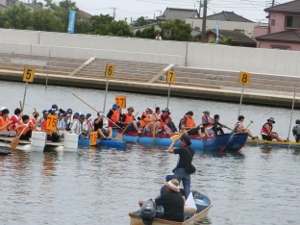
141,21
18,17
148,32
176,30
224,41
106,25
44,20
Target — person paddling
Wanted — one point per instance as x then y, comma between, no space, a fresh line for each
217,126
267,133
98,126
187,124
296,131
239,127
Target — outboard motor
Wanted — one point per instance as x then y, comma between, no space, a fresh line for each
148,212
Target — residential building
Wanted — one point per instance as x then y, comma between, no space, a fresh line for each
177,13
283,30
238,39
227,21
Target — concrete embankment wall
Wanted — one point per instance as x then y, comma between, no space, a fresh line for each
208,56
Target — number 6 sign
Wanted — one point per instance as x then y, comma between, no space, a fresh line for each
244,78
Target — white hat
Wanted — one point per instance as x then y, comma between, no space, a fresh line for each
2,108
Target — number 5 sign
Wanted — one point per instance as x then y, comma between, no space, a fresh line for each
51,122
244,78
171,76
28,74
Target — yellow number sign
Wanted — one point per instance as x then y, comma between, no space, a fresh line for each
244,78
51,122
28,74
110,68
93,138
121,101
171,75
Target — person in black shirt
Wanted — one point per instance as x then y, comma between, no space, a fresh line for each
172,202
217,127
98,126
186,154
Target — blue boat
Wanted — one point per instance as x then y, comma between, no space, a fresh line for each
236,142
104,143
217,143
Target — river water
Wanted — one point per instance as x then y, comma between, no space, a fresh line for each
100,186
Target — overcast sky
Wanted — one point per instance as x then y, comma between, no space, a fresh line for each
250,9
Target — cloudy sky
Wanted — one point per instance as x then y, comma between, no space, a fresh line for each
251,9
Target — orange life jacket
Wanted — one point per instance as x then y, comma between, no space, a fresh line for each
189,122
115,117
163,123
143,122
129,118
43,128
4,122
210,122
21,128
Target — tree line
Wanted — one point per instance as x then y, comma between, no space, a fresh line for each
54,17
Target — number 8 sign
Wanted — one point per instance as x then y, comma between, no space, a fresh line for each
244,78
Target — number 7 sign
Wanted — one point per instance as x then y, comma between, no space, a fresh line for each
171,75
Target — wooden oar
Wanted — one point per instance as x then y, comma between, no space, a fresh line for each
179,135
93,108
14,143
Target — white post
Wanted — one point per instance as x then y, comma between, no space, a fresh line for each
292,113
48,69
241,100
168,95
107,80
23,105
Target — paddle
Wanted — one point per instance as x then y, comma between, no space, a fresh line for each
249,124
179,135
14,143
93,108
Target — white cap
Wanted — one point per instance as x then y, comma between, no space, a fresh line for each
2,108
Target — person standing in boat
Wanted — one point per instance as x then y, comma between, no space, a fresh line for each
187,124
296,131
267,132
171,201
186,154
98,126
239,127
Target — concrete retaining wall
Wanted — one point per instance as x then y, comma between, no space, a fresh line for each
209,56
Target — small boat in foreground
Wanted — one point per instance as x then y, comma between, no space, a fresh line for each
287,144
112,143
236,143
203,204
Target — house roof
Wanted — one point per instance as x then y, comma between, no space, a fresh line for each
289,7
228,16
284,36
84,15
196,33
237,37
176,13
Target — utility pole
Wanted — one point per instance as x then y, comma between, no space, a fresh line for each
273,3
114,12
200,6
203,31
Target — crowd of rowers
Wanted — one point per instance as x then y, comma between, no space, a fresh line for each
152,122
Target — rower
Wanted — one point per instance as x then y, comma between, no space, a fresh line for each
4,124
187,125
80,128
114,115
217,127
90,122
69,119
207,122
129,121
267,133
148,122
239,127
166,122
98,126
296,131
26,130
1,109
15,119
